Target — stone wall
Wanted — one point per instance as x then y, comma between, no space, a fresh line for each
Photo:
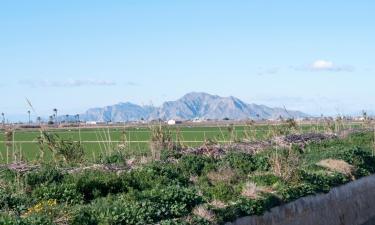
350,204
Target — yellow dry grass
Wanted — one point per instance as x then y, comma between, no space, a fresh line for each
204,213
225,174
337,165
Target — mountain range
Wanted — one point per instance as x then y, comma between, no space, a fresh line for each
191,106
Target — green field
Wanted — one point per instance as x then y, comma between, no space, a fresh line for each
98,140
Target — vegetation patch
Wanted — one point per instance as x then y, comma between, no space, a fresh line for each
173,186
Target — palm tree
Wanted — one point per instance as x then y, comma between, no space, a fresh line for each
28,112
66,118
39,119
55,111
77,118
3,115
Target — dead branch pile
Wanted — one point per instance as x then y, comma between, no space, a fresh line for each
101,167
20,167
301,140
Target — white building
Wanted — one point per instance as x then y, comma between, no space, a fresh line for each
91,122
171,122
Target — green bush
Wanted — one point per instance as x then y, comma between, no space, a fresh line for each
66,193
151,206
46,175
220,191
118,157
171,172
296,191
32,220
167,154
361,159
94,184
10,201
258,206
246,163
247,207
321,181
156,174
84,215
195,164
266,179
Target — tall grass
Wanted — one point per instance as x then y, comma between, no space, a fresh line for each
161,138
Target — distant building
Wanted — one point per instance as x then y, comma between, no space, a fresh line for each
198,120
91,122
171,122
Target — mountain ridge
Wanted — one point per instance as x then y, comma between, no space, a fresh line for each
190,106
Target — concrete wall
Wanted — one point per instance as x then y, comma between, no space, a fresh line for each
350,204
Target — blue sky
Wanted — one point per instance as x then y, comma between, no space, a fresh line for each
315,56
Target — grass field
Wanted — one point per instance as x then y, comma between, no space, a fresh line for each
98,140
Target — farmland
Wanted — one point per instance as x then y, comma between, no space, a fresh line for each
98,140
162,175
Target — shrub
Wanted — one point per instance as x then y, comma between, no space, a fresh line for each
254,207
296,191
195,164
169,171
266,179
84,216
32,220
156,174
246,163
320,181
93,184
46,175
67,193
167,154
361,159
117,157
10,201
220,191
173,201
150,207
246,207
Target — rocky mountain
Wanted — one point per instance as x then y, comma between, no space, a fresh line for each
191,106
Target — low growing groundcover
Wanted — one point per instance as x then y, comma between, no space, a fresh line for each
182,188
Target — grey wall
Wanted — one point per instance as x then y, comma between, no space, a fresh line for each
350,204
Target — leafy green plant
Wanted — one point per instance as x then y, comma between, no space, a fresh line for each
66,193
195,164
94,184
46,175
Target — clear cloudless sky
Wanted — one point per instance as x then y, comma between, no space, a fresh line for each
315,56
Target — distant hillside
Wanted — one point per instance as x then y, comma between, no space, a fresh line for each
191,106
